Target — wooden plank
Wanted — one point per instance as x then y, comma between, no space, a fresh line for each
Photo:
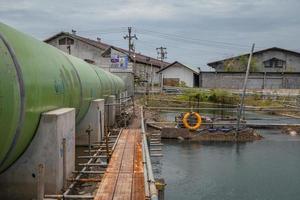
109,181
138,187
116,158
123,187
138,160
128,158
124,178
107,187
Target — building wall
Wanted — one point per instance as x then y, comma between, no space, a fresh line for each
82,50
156,76
255,81
85,51
182,73
142,70
292,61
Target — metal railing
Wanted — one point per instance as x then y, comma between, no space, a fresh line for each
150,187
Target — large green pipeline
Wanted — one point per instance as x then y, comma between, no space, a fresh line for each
36,77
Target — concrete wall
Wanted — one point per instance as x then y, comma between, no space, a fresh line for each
20,180
292,61
182,73
93,120
142,70
256,80
81,50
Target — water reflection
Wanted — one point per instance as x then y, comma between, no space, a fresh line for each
266,169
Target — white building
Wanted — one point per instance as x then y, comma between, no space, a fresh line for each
177,74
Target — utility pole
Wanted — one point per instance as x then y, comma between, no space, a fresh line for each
243,92
161,53
130,37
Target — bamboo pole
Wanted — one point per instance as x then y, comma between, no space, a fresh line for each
244,92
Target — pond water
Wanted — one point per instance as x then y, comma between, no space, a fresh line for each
268,169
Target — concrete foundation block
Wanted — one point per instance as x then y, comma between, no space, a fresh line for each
20,180
93,119
110,110
118,105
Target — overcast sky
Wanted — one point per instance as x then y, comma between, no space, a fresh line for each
194,31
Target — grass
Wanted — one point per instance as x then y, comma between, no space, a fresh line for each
214,96
217,96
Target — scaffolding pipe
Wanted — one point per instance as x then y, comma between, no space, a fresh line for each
89,162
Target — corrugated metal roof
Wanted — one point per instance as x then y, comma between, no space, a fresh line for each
256,52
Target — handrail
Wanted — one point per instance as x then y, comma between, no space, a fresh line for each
147,162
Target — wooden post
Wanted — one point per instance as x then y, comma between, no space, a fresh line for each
88,131
162,83
107,147
41,182
160,186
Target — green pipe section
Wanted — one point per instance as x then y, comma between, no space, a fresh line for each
36,77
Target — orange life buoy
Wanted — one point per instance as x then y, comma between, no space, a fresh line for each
186,123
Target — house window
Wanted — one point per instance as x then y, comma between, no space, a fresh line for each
279,63
274,62
62,41
66,41
268,63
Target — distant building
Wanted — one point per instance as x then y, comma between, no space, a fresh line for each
178,74
110,58
268,60
272,68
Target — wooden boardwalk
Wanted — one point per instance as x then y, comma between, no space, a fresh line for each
124,177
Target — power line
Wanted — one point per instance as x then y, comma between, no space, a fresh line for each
176,37
173,45
116,29
195,41
173,37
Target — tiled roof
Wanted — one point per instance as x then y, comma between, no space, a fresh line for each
139,58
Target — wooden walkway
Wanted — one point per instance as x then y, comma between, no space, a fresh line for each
124,177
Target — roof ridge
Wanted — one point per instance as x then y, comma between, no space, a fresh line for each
162,69
255,52
139,57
